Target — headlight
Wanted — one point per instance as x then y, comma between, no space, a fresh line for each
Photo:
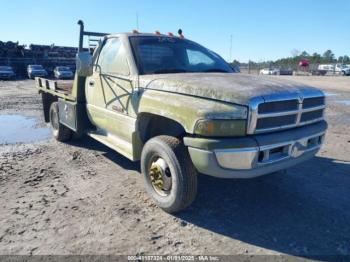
221,128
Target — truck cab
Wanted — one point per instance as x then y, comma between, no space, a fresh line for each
180,110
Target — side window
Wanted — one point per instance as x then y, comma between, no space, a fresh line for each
196,57
112,59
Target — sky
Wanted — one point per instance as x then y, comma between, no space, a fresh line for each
260,29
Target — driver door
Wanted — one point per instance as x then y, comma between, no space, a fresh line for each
109,91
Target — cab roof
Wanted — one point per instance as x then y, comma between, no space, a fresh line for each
128,34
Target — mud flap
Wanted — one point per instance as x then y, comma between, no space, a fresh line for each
74,116
67,113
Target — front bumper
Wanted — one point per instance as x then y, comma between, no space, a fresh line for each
252,156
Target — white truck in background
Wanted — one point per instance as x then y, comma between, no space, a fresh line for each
339,69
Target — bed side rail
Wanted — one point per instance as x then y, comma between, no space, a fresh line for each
46,83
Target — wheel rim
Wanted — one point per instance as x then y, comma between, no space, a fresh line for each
54,120
160,176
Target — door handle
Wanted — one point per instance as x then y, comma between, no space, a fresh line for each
91,83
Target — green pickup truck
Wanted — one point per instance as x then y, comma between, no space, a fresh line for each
179,109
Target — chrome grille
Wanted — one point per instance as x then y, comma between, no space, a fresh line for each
277,112
272,122
313,101
271,107
309,116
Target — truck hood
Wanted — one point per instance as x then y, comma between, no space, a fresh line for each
233,88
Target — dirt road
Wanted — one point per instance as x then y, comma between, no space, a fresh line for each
82,198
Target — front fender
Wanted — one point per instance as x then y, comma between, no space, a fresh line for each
186,109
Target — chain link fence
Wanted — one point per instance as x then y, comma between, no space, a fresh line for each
291,69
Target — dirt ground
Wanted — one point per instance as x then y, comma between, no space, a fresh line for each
83,198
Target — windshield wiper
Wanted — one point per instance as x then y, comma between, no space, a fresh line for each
169,70
218,70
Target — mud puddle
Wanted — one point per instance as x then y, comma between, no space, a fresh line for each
21,129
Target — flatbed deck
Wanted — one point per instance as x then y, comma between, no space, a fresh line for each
61,88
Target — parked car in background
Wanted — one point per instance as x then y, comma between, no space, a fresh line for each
343,69
36,70
269,71
236,68
6,72
63,72
286,71
337,69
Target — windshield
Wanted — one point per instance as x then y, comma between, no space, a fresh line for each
5,68
37,67
161,55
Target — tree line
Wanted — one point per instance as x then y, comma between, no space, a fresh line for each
328,57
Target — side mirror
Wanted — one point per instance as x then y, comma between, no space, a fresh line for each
84,64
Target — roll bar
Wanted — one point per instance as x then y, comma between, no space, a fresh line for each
86,33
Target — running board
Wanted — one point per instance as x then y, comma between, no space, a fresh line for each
121,146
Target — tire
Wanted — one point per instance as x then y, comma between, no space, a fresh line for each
183,176
60,132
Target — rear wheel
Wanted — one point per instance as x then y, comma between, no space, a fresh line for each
60,132
169,175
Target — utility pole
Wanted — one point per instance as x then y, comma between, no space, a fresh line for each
137,21
230,49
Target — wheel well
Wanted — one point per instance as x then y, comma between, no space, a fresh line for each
47,100
151,125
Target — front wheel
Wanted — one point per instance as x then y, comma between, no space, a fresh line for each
60,132
169,175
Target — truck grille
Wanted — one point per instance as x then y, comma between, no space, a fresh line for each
278,112
278,106
272,122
